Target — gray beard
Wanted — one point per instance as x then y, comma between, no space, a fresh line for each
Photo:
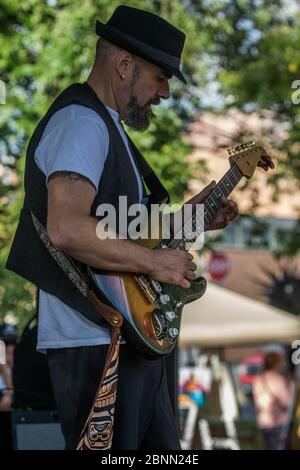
137,117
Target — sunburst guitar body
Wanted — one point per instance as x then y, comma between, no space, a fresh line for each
151,310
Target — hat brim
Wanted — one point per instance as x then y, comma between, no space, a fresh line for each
136,47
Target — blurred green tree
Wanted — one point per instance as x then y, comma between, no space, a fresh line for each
246,49
45,46
257,68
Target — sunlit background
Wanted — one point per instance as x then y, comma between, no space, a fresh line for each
243,64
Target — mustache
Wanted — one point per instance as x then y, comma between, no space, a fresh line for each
154,102
138,117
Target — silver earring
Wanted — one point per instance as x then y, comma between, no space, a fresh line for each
122,76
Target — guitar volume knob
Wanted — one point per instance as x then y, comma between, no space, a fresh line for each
164,298
169,315
173,334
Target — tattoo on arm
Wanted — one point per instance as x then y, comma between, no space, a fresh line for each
69,176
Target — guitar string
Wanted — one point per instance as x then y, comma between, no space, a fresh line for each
228,181
211,205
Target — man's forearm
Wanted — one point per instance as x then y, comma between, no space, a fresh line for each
6,375
78,237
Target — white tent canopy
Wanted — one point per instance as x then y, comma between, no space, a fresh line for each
223,318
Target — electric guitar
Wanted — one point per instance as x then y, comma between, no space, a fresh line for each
151,310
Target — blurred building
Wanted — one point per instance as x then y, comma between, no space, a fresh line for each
250,241
236,321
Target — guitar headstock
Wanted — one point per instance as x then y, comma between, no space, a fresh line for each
246,157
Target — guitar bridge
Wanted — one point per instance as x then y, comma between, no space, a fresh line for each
145,288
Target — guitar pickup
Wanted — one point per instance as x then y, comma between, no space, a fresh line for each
145,288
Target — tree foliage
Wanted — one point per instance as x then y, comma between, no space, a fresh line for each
247,48
45,46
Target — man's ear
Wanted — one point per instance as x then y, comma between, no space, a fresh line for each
124,63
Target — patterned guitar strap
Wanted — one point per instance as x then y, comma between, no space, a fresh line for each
97,433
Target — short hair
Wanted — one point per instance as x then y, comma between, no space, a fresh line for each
104,49
272,360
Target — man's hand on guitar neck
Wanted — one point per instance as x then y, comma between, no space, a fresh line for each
229,210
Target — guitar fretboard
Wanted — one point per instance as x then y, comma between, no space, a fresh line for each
193,227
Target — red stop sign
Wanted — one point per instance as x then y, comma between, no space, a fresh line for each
218,266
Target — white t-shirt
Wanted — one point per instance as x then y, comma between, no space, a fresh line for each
75,139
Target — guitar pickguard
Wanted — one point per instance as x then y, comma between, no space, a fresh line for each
151,326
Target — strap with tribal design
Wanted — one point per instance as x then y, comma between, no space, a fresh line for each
97,433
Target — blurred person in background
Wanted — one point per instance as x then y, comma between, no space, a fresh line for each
193,390
8,335
272,393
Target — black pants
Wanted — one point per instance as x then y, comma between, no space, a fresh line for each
273,438
144,418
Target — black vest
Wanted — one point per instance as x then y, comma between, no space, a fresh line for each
28,256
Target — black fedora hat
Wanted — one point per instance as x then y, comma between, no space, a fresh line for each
146,35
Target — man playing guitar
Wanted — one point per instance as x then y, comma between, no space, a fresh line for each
79,158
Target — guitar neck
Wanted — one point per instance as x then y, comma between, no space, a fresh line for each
224,188
211,205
